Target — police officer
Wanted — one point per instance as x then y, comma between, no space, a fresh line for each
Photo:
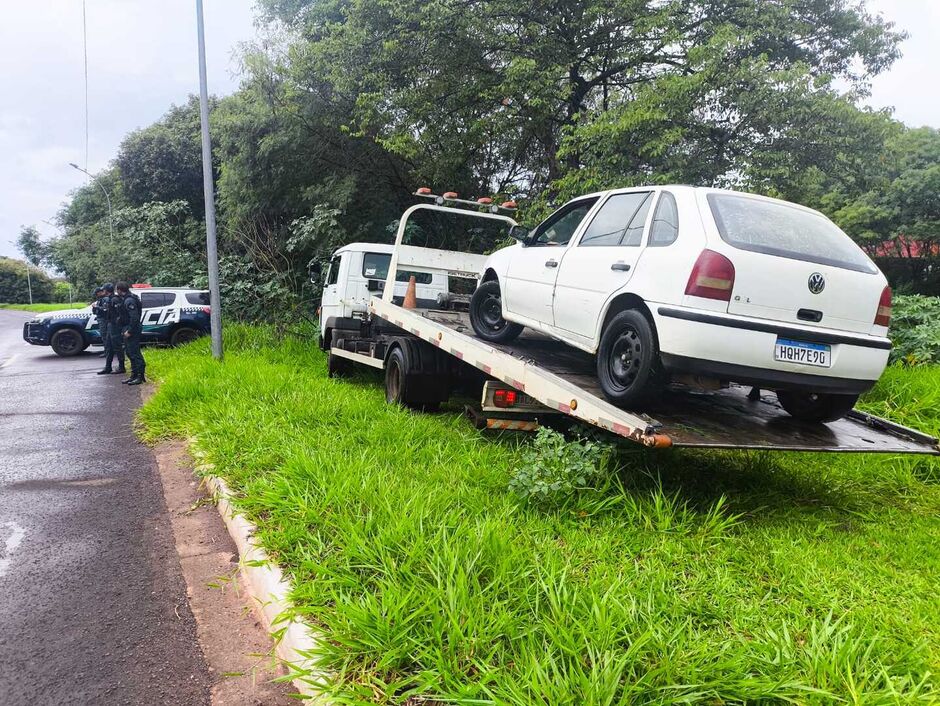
114,328
130,329
102,311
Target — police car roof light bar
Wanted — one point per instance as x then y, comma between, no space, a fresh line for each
451,198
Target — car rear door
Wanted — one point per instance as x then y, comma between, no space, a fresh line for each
530,278
158,314
794,265
601,262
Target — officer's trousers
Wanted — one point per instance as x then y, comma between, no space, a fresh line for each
117,347
136,358
105,331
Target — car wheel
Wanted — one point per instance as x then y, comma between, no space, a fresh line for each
183,335
486,315
816,406
68,342
628,365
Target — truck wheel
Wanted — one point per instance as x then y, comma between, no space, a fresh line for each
183,334
628,365
337,367
68,342
816,406
486,315
406,387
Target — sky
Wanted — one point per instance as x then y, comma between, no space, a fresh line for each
142,59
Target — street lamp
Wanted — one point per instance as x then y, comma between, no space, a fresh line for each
106,195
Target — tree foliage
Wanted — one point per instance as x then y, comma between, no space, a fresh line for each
14,286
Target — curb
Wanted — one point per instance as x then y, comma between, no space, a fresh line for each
267,586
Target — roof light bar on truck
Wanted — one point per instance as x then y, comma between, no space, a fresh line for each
452,197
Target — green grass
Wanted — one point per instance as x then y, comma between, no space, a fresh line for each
42,307
719,577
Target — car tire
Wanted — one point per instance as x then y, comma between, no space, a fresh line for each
184,334
486,315
67,342
629,369
816,406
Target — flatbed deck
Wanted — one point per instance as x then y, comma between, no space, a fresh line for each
562,378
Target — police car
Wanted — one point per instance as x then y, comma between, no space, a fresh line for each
170,315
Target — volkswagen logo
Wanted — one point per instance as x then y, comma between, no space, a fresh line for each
816,283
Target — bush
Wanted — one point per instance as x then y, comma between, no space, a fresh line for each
554,471
62,292
14,288
915,329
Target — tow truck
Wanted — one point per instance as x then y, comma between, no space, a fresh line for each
427,350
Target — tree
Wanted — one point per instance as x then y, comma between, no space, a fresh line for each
14,287
30,244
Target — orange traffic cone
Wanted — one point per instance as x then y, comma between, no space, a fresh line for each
411,295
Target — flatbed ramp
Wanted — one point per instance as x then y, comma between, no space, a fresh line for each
562,378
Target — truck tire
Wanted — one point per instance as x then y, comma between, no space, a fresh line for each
183,334
816,406
628,365
413,377
67,342
486,315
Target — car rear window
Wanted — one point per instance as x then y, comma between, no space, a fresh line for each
198,298
375,266
785,231
155,300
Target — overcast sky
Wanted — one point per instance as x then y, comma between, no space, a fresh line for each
142,59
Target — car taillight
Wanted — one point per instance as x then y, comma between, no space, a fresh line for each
505,398
883,317
206,310
712,277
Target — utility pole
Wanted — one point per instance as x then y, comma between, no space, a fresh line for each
29,285
215,302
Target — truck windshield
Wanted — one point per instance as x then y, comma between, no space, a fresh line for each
785,231
375,266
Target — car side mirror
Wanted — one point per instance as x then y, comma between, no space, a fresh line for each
519,233
314,270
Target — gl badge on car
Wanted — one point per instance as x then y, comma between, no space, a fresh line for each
816,283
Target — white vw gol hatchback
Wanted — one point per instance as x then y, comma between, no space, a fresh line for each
660,282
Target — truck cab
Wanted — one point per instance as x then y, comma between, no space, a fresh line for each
356,273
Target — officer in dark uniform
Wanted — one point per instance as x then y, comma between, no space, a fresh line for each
130,329
115,340
101,309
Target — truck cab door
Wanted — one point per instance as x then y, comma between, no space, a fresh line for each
330,303
601,262
530,277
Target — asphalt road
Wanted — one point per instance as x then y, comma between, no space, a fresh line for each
93,606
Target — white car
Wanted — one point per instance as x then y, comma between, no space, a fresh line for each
672,282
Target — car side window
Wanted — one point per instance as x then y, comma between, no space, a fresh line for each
665,228
560,226
619,221
154,300
332,276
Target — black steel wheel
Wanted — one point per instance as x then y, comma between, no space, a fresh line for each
406,384
67,342
816,406
486,315
183,334
628,365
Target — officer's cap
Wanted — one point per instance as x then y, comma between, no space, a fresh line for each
108,287
98,290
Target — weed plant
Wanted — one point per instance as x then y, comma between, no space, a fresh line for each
706,577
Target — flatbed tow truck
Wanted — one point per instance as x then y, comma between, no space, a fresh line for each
426,353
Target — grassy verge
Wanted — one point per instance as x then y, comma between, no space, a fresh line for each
698,577
41,307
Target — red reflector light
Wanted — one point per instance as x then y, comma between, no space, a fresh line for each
883,316
450,195
505,398
509,204
712,277
485,200
423,191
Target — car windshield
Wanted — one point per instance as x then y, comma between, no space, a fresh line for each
784,230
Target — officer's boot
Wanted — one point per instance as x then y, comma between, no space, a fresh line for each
130,380
106,371
138,380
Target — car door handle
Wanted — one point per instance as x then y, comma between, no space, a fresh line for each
620,267
551,263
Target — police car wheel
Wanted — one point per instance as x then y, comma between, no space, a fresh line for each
182,335
67,342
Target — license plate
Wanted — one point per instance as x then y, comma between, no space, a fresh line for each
789,351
